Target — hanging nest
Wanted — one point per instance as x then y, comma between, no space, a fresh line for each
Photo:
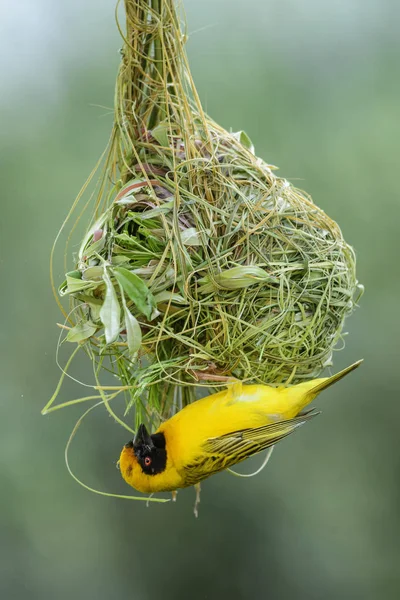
200,263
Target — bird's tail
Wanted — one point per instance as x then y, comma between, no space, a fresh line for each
318,385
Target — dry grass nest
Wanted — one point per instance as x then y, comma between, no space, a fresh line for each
200,264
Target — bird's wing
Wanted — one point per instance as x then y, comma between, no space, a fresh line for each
221,452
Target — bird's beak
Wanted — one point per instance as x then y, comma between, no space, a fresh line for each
143,437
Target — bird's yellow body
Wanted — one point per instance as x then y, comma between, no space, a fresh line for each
217,432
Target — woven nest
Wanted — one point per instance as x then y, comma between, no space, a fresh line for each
200,264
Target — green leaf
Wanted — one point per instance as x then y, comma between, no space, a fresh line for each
137,291
236,278
119,259
127,242
81,331
100,224
160,133
95,248
93,273
133,331
126,194
244,139
74,274
94,305
62,290
166,207
110,312
167,296
74,283
191,237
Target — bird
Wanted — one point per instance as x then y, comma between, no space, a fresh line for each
218,431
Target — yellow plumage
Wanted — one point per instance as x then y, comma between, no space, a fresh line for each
217,432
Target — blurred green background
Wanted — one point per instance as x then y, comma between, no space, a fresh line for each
316,86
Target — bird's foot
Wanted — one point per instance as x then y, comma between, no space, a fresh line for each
148,500
174,495
197,501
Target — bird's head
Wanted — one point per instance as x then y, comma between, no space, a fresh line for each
142,459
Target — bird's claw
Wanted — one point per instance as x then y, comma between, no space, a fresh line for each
197,501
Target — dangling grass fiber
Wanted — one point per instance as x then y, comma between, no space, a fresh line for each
200,263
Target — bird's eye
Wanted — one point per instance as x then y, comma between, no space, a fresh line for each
147,461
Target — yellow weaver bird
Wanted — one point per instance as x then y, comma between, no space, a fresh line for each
217,432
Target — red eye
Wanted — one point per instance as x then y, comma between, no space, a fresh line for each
147,461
